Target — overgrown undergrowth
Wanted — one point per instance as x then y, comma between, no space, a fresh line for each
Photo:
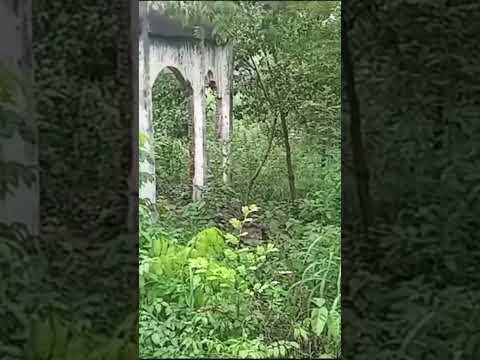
207,288
205,293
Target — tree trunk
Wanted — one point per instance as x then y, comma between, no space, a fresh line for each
360,163
288,156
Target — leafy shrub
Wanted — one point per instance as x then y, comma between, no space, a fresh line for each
44,318
201,297
204,293
208,295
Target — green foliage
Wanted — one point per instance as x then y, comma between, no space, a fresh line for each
76,106
81,112
43,317
172,136
209,242
13,121
210,287
421,159
8,84
281,66
205,290
55,338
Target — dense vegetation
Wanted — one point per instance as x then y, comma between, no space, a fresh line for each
410,152
410,289
59,293
208,287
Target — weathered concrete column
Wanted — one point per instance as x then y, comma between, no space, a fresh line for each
22,204
147,161
225,85
199,139
225,131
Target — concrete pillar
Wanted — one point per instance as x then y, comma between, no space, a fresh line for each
226,107
199,140
225,130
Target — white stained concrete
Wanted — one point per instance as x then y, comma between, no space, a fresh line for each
192,61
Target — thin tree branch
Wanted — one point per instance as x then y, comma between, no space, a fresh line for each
264,160
261,84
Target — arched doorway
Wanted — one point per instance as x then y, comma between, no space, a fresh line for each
172,134
165,43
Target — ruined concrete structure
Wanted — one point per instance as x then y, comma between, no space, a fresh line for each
198,64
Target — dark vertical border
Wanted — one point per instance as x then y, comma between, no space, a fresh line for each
73,291
409,179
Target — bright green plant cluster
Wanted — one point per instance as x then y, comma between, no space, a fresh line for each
200,298
208,295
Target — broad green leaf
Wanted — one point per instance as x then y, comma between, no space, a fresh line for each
319,320
157,245
61,337
42,338
319,302
333,325
157,266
